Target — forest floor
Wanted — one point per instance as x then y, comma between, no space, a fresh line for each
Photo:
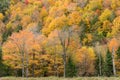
55,78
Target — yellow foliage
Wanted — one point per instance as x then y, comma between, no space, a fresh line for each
84,41
29,9
74,18
106,25
92,53
0,38
31,25
85,52
51,2
48,21
85,57
116,26
115,4
1,16
87,19
43,12
89,37
35,2
25,20
46,31
58,3
94,4
2,27
105,15
9,25
52,11
57,23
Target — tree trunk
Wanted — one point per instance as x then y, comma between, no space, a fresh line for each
54,67
27,65
100,67
64,61
84,65
33,67
23,67
64,45
113,61
57,71
26,71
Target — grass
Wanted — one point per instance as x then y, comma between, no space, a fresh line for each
56,78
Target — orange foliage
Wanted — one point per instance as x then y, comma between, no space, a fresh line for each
113,44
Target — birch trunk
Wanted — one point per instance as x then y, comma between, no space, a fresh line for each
113,61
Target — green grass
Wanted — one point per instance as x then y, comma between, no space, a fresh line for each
55,78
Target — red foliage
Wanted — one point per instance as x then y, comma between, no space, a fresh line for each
44,7
97,12
26,2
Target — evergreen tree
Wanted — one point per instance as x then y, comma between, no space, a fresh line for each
118,61
4,5
108,68
18,28
71,68
2,67
118,53
6,34
0,55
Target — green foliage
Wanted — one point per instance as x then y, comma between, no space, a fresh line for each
3,68
118,61
94,4
112,16
108,67
0,54
6,34
118,53
94,20
4,5
19,27
1,64
99,62
9,31
71,69
40,26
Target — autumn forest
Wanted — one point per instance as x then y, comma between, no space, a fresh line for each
62,38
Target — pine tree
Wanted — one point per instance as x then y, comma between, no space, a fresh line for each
2,67
118,53
71,68
118,61
0,54
4,4
108,68
19,27
6,34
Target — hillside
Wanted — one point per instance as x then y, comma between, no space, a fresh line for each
41,38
